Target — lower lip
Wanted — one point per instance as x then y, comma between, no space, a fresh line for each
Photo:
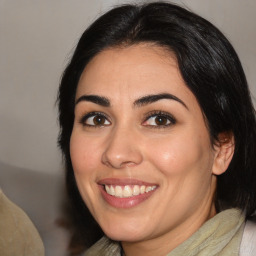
127,202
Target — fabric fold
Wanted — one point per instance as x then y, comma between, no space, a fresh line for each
220,235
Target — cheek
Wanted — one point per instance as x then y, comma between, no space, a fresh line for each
181,154
83,153
83,156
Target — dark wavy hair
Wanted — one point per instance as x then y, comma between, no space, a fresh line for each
210,68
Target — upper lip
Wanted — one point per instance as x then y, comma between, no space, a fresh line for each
124,181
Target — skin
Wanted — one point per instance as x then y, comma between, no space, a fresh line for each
178,157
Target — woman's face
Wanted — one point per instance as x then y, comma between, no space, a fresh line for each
141,152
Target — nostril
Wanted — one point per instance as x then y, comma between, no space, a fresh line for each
128,164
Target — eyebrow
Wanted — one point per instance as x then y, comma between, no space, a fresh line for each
100,100
145,100
156,97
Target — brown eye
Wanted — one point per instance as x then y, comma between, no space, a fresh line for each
99,120
158,120
95,119
161,120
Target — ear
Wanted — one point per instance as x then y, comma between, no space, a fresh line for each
224,151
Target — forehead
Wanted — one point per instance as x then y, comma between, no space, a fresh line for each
132,71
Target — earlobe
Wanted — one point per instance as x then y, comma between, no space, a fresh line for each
224,151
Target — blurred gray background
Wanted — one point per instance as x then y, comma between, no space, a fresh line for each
36,39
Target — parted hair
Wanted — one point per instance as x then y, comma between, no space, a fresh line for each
210,68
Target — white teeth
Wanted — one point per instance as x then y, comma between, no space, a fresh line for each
107,189
118,191
127,190
136,190
148,189
112,191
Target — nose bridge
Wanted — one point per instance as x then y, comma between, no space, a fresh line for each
121,148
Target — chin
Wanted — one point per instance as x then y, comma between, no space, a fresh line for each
124,237
128,233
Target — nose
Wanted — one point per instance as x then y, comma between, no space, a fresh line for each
122,150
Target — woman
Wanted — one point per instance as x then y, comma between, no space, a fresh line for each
158,134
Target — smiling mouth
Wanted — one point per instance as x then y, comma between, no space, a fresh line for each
125,192
128,190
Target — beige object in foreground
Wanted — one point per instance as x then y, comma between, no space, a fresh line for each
18,235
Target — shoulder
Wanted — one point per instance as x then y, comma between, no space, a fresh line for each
17,232
248,243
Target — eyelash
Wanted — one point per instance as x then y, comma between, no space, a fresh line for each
152,114
93,114
162,114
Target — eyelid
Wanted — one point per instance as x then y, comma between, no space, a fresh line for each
85,117
156,113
